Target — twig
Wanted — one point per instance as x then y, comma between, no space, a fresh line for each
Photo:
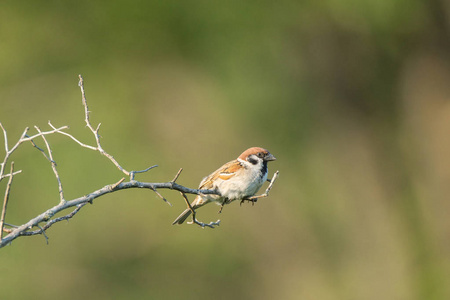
96,134
8,230
72,137
115,185
177,175
5,200
53,163
194,219
132,173
162,197
172,182
23,138
95,131
52,222
43,233
5,136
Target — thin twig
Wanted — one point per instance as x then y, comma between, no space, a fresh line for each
23,138
95,131
5,136
178,175
115,185
72,137
53,163
43,233
194,219
66,217
51,222
13,174
5,200
132,173
162,197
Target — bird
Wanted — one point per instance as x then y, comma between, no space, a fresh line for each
236,180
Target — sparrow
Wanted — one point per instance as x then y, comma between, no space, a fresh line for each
235,180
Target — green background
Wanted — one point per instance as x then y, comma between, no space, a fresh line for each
352,97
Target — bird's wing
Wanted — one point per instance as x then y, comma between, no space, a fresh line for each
225,172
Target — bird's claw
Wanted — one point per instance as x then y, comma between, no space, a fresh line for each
252,200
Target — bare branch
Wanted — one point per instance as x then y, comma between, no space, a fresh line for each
13,174
132,173
46,219
5,136
95,131
52,161
194,219
72,137
26,138
162,197
114,186
177,175
43,233
23,138
5,200
8,230
51,222
47,216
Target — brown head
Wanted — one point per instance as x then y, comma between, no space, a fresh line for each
258,152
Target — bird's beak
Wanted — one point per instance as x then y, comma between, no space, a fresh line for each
269,157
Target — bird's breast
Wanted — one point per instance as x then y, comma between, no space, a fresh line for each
242,186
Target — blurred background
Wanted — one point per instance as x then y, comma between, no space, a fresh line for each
352,97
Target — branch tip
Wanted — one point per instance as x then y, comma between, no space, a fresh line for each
177,175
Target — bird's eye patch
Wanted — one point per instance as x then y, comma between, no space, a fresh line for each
251,159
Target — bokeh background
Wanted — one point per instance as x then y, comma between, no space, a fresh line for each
352,97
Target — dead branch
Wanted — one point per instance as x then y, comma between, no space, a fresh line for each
46,219
50,158
194,218
23,138
5,200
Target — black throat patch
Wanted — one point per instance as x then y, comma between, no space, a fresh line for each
264,168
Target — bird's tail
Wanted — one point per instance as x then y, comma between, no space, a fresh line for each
181,218
198,202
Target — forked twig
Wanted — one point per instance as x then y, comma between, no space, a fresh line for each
96,131
53,221
23,138
194,219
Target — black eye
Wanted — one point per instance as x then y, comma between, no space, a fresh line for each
260,154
